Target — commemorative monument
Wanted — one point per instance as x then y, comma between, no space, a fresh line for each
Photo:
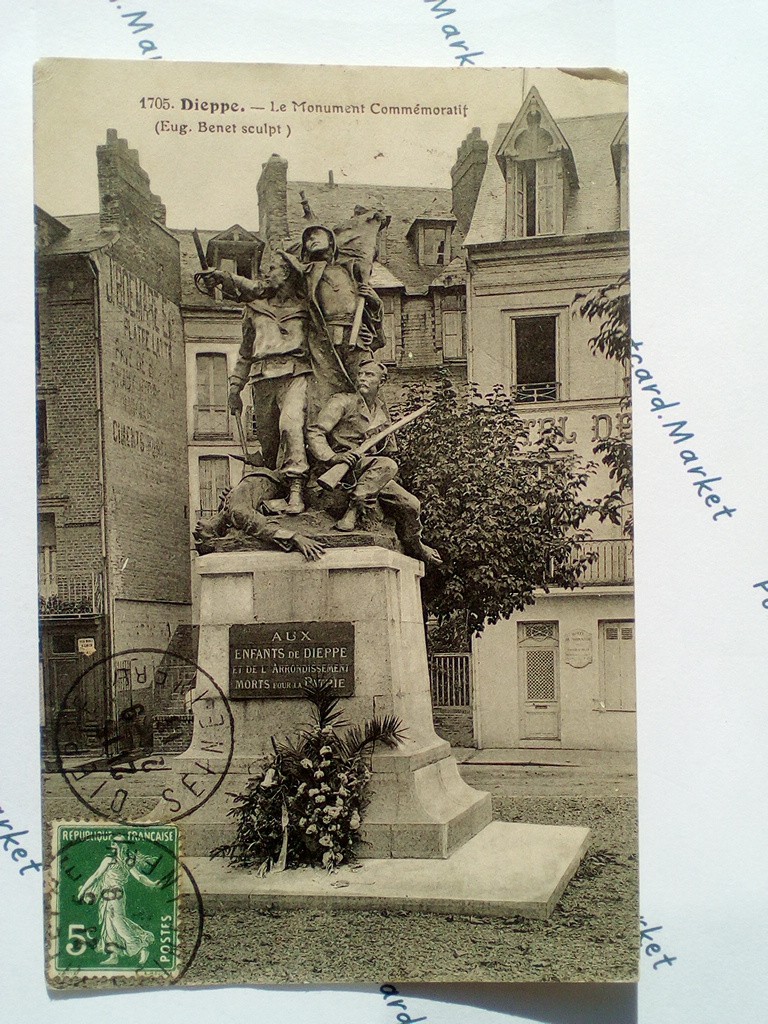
310,577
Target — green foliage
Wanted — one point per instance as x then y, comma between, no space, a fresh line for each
505,512
308,799
609,305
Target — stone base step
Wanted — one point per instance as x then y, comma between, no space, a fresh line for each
508,869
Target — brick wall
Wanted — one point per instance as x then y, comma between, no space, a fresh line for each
419,348
67,385
454,725
145,428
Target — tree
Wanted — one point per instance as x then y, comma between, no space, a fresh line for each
610,305
508,514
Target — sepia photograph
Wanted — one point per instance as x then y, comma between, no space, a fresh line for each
335,524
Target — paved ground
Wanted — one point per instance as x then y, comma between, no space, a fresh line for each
591,936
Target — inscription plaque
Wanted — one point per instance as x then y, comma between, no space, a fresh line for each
578,648
278,659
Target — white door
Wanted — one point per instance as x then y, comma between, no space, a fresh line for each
539,674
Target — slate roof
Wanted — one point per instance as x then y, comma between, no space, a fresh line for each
84,235
593,207
335,204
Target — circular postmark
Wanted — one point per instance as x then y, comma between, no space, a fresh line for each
154,737
122,907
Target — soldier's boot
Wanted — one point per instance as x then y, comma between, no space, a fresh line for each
295,498
348,521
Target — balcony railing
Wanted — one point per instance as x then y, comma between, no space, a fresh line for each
212,421
545,391
67,596
614,563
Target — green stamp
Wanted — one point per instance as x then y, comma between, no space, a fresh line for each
114,900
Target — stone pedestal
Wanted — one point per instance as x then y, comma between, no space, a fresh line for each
419,805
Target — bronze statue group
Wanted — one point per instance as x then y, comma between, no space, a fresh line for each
311,324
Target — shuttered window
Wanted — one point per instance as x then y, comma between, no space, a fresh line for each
618,666
211,417
535,206
453,334
545,197
214,478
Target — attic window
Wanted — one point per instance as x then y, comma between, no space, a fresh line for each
534,198
236,251
242,263
434,247
539,171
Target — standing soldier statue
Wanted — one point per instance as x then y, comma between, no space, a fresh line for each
345,309
275,361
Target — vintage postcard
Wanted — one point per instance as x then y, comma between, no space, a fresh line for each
335,524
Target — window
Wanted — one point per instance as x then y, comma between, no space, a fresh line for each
434,247
46,554
388,354
534,362
453,334
235,250
617,670
211,412
214,478
534,198
539,171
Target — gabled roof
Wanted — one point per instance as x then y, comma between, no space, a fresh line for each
593,207
334,204
82,233
534,128
235,234
454,274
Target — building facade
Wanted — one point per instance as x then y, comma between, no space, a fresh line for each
551,224
113,491
480,280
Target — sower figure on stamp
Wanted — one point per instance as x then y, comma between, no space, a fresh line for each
346,311
343,423
118,934
275,361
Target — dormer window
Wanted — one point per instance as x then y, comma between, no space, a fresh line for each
235,250
539,171
535,208
431,237
434,247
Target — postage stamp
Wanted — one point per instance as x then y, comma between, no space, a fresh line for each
114,900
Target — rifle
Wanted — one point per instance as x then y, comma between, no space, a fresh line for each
332,477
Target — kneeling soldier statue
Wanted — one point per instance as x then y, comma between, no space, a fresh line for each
343,424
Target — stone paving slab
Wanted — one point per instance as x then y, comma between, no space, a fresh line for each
588,759
509,869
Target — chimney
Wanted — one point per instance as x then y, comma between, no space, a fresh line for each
331,182
272,192
124,189
466,177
